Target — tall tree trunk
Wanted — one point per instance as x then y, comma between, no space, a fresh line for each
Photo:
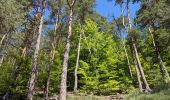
77,64
32,80
136,53
163,70
52,53
127,58
124,45
138,77
137,71
63,84
140,68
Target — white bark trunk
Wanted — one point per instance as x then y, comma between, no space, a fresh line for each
124,45
77,65
127,58
3,38
137,72
140,68
2,59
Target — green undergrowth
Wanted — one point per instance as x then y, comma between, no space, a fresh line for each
161,93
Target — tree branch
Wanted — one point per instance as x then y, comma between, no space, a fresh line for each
68,3
73,3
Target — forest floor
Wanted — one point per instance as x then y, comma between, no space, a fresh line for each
91,97
160,94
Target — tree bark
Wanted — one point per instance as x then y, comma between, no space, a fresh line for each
163,70
147,88
3,38
127,58
2,59
124,45
52,53
6,45
77,64
140,68
137,70
63,84
32,80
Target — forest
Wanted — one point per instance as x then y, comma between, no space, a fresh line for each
66,50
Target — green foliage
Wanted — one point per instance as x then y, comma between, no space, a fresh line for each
103,67
99,72
11,15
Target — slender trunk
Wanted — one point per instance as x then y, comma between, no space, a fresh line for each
32,80
163,70
6,45
138,77
140,68
3,38
136,54
63,84
77,65
137,70
127,58
2,59
124,45
52,54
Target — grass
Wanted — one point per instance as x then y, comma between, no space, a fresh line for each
161,94
85,97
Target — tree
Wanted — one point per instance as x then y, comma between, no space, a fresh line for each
147,17
32,80
63,85
77,63
147,88
54,45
